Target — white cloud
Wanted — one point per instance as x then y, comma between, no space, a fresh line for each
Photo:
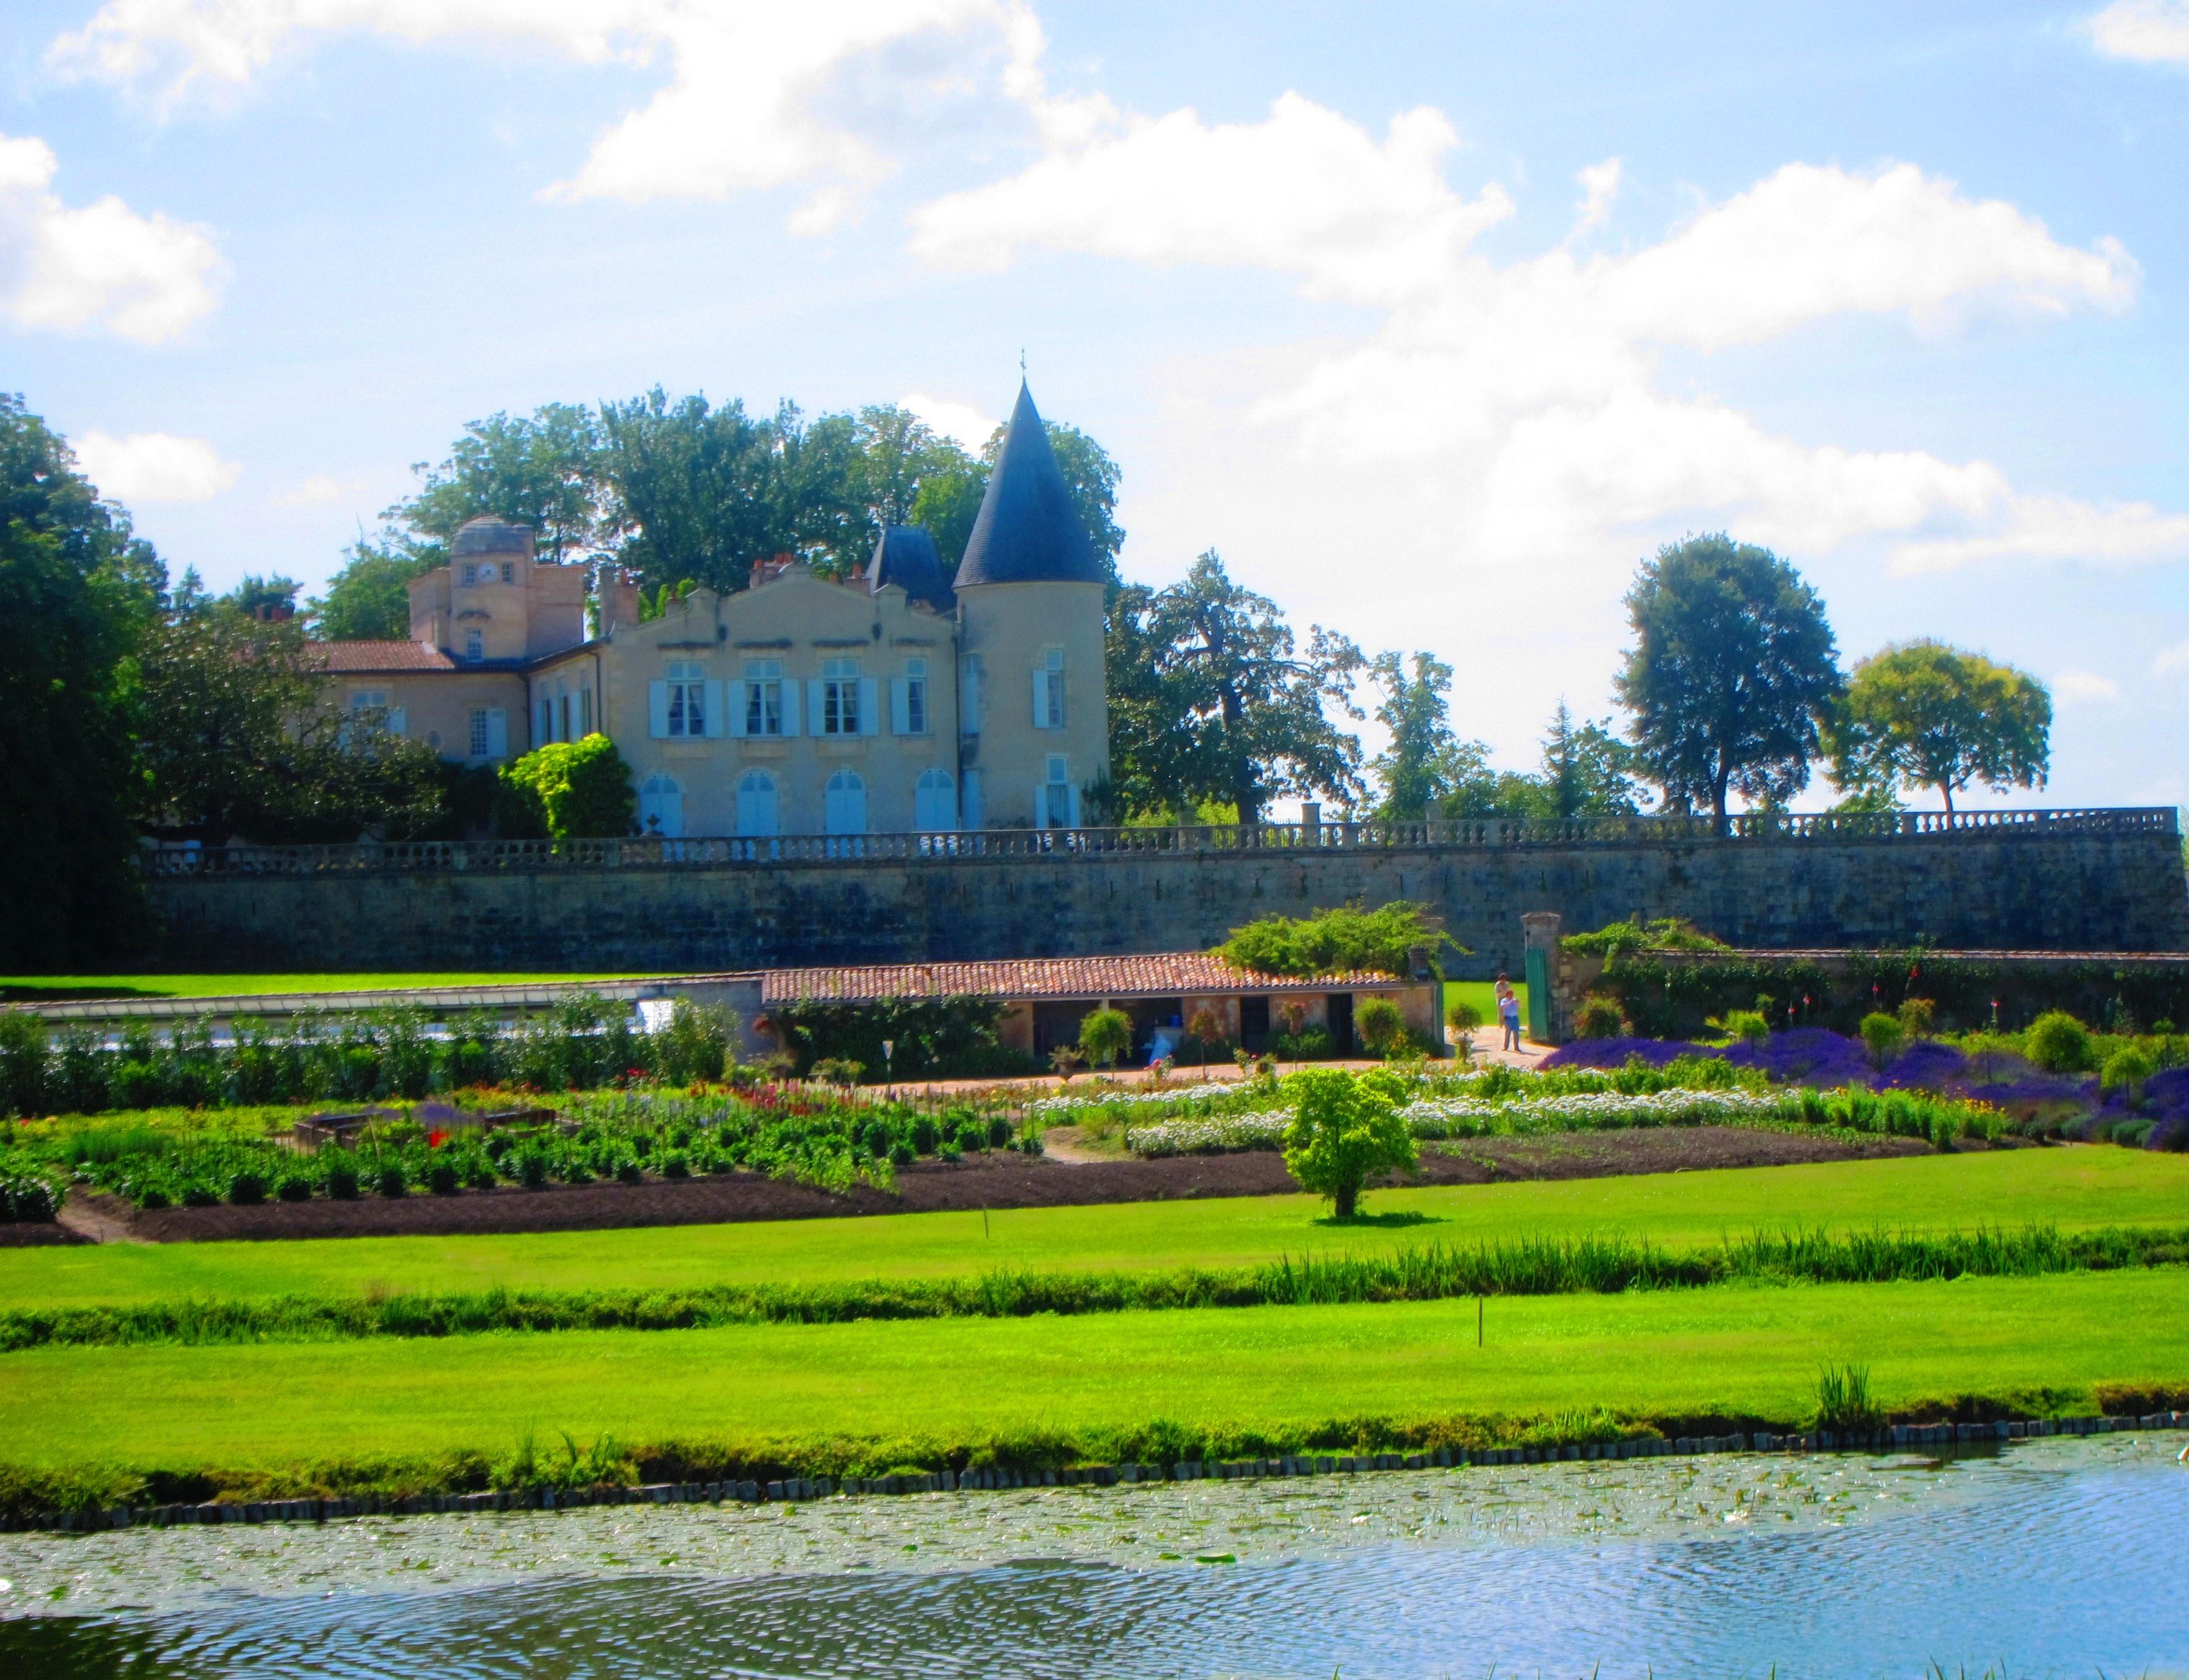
2175,657
155,466
751,100
1526,392
2154,31
2078,688
323,489
961,423
98,267
1599,185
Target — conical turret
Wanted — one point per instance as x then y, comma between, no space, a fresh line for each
1028,530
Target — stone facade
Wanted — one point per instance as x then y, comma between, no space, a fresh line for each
2083,881
897,702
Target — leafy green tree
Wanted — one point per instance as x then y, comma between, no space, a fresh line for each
258,597
1347,940
1344,1131
1416,770
1216,699
369,599
575,789
1587,771
1105,1036
1921,713
1732,666
543,472
1380,1025
76,588
235,735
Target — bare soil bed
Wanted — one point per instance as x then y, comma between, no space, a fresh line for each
984,1181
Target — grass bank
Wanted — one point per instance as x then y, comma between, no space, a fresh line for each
2073,1188
1753,1355
1424,1272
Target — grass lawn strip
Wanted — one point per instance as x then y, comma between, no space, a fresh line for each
2073,1189
1752,1354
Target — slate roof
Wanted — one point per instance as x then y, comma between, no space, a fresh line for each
1165,975
489,536
1028,531
349,659
906,557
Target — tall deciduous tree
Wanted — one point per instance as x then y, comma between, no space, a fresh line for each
1925,714
543,472
1218,700
1415,770
1587,771
76,587
235,736
1732,666
369,599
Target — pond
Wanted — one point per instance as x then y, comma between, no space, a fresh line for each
2054,1557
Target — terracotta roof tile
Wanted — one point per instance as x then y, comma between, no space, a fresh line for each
351,658
1159,975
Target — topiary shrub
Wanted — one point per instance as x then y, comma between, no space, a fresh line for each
441,1176
199,1194
950,1151
152,1198
1601,1017
2125,1069
901,1155
532,1169
341,1178
391,1181
1883,1035
924,1136
2058,1043
246,1189
1105,1035
1380,1025
1000,1131
1746,1026
628,1171
294,1187
674,1165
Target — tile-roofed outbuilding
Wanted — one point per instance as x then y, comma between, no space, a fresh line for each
1160,974
350,659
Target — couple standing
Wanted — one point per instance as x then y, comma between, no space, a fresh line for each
1508,1013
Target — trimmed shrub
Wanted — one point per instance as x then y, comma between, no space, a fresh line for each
2125,1069
2058,1043
441,1176
569,790
1883,1035
1106,1035
532,1168
628,1171
340,1180
1380,1025
1746,1026
391,1180
246,1189
1916,1016
1601,1017
294,1187
674,1165
1000,1131
924,1136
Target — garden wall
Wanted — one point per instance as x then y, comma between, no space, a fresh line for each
2107,880
1673,994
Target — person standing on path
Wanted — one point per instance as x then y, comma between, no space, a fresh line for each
1508,1013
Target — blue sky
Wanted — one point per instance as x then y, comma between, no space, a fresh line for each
1434,319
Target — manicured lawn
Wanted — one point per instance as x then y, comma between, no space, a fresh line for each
60,987
1739,1351
2071,1187
1483,994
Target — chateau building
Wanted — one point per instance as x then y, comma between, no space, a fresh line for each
899,701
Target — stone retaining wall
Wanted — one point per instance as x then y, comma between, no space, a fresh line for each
2088,880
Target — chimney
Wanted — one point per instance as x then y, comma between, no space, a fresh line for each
619,597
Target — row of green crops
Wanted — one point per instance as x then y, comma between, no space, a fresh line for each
1609,1264
584,1043
783,1132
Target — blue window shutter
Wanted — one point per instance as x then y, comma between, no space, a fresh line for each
900,706
870,706
497,732
715,711
789,707
816,714
657,709
1041,700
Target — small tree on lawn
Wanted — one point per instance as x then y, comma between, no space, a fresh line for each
1206,1030
1343,1131
1106,1035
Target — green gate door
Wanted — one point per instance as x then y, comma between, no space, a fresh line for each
1539,997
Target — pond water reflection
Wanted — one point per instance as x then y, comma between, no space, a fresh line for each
2058,1556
